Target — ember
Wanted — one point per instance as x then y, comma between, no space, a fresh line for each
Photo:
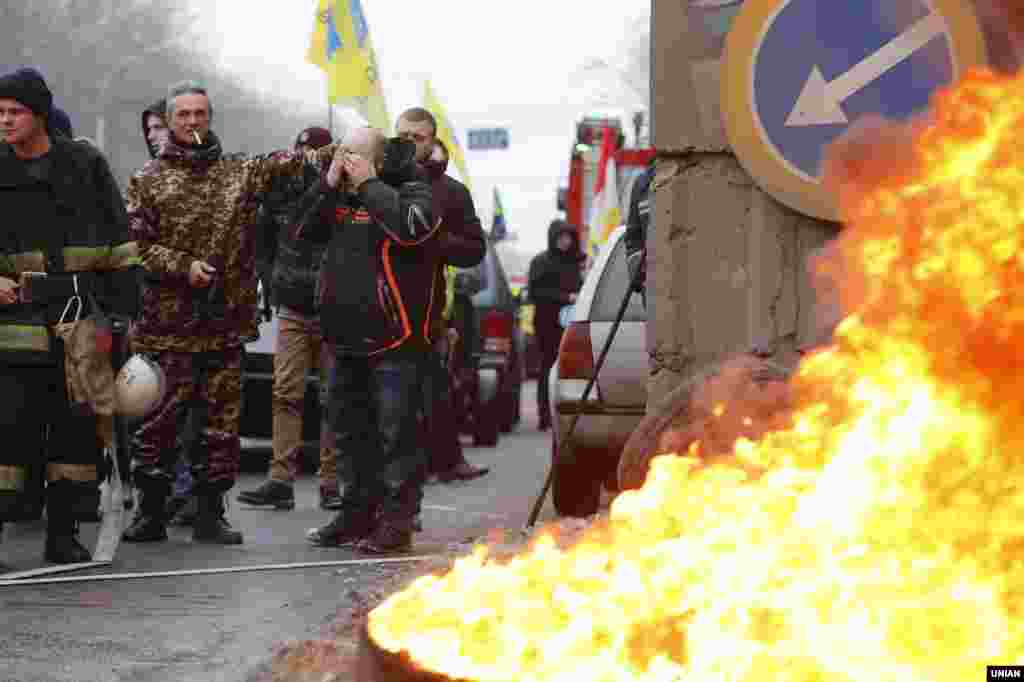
884,540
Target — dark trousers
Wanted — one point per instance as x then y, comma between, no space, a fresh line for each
374,407
548,341
441,433
43,439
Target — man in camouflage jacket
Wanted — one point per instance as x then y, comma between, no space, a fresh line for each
192,211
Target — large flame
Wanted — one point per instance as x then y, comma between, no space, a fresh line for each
884,539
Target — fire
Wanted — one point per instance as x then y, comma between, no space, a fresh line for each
884,538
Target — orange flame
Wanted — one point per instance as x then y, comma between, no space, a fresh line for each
884,540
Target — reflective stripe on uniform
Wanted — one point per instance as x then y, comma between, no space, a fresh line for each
82,473
12,477
24,337
82,258
124,256
29,261
449,292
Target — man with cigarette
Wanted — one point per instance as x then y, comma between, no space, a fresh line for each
192,210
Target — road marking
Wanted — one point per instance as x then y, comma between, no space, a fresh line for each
434,507
820,101
11,580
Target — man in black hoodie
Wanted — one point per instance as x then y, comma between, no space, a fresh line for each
154,127
554,280
291,268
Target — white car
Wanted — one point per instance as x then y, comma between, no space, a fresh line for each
618,399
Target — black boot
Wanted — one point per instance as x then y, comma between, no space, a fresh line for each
150,523
185,515
351,524
210,525
276,494
62,545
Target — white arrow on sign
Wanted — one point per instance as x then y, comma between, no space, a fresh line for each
820,102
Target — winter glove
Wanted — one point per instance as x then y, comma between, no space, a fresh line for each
636,262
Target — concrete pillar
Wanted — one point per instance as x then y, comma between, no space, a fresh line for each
727,263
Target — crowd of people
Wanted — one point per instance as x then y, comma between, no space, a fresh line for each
355,243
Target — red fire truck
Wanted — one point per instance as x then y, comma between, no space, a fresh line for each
577,198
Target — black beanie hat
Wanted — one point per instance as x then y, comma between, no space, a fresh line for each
27,86
315,137
60,123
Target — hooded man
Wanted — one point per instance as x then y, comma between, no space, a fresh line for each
66,235
290,269
154,127
555,277
60,123
193,210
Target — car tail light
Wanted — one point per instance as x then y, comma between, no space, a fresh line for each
496,331
576,354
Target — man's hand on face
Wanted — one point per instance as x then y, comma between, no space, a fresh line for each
201,274
8,291
336,170
359,169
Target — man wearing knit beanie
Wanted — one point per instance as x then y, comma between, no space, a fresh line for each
60,123
68,229
289,268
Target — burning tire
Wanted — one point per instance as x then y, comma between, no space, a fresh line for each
379,665
688,413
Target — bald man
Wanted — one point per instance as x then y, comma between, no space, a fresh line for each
376,298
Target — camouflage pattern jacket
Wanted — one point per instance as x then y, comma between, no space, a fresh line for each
195,203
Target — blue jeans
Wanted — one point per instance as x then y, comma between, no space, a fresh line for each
373,409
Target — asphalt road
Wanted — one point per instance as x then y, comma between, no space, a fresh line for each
229,626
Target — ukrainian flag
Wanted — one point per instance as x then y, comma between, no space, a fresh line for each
341,46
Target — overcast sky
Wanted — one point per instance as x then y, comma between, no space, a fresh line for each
492,64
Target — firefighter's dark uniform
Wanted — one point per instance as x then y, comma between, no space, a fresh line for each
63,214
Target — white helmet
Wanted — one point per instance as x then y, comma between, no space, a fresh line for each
139,387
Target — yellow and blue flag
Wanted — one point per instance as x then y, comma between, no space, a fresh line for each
446,133
341,46
499,229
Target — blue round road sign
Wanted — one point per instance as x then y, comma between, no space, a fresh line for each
797,73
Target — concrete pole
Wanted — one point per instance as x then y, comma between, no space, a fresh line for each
726,262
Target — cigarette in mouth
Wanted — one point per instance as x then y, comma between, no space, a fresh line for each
198,139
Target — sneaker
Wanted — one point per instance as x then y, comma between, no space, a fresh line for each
271,494
463,471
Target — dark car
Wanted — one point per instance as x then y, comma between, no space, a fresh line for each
487,392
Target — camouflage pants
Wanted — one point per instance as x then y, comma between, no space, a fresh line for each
43,439
154,443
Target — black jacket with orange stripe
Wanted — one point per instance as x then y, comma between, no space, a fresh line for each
376,291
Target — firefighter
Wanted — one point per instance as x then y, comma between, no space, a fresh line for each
66,233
